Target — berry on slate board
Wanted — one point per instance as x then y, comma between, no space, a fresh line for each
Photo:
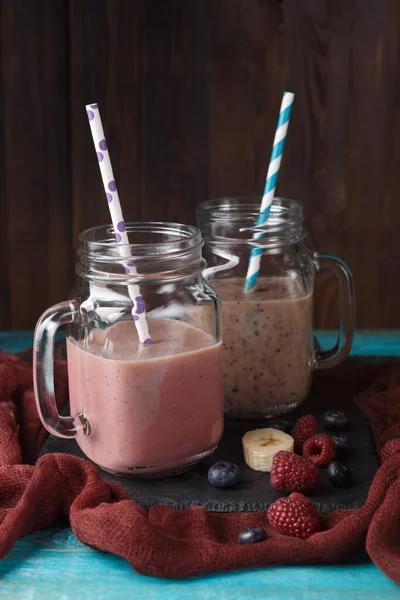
320,448
223,474
335,420
339,475
293,473
342,445
285,426
295,516
305,427
391,448
252,536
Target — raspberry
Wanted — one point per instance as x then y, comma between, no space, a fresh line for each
304,429
391,448
320,448
294,516
293,473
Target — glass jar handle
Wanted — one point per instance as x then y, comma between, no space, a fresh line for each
43,372
326,359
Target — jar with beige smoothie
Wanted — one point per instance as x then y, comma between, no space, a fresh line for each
268,341
137,409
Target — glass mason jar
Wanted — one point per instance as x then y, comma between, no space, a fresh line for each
149,409
267,333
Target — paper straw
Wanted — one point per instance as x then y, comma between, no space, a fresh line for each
121,236
270,186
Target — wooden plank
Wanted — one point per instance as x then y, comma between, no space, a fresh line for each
189,93
247,79
15,341
143,64
5,309
105,67
175,140
42,564
36,168
369,117
387,196
318,41
342,58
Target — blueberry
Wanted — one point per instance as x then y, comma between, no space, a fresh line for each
339,475
335,420
252,536
285,426
342,445
223,474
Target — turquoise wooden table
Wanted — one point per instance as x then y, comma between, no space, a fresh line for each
54,565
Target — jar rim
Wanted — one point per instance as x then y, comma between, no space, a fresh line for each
162,250
236,220
162,238
237,208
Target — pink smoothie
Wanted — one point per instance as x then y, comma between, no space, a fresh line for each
267,339
152,409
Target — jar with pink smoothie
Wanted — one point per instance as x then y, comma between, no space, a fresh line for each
137,409
268,341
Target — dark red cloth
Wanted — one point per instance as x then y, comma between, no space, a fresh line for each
177,543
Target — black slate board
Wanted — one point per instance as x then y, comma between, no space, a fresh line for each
254,492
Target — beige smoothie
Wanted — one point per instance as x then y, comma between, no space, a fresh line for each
152,408
267,350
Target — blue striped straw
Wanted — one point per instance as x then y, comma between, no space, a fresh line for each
270,185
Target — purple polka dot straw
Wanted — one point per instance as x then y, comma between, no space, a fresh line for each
114,205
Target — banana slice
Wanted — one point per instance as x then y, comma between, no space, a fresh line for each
261,445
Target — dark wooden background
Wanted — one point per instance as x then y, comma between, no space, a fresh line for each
189,92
